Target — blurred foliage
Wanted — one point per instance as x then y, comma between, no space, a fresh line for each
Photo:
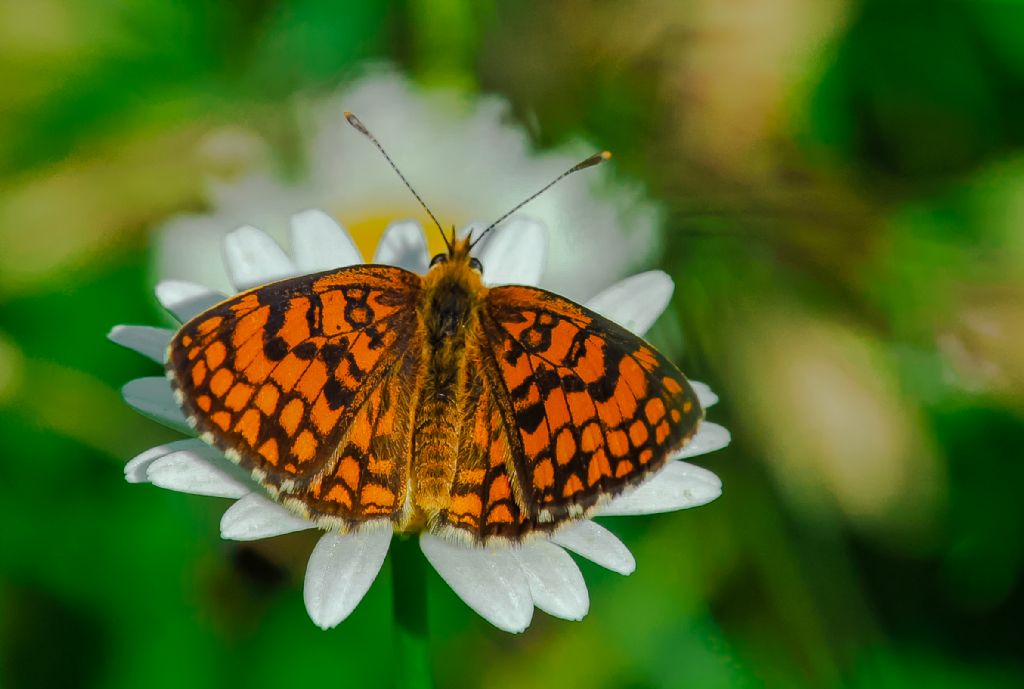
844,187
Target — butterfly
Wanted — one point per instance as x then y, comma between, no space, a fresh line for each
433,401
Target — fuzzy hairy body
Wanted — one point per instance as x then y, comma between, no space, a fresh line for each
450,303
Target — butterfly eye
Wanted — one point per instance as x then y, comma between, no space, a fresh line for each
476,265
440,258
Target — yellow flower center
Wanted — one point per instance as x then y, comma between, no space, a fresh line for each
367,230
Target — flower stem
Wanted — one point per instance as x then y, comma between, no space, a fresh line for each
409,589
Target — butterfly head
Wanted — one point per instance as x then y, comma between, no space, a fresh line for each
457,257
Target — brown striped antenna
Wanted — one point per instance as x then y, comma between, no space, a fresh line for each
361,128
582,165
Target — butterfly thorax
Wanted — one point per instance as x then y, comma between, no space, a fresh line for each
449,309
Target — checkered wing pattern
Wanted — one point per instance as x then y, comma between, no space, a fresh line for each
571,409
304,382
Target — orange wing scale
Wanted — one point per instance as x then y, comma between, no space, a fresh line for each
300,381
571,409
368,477
595,408
486,500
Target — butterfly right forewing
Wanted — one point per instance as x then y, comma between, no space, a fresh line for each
592,409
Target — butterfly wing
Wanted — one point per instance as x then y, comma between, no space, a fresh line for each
304,382
587,408
485,502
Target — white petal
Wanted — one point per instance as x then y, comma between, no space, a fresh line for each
704,393
255,516
253,258
403,245
153,397
635,302
597,544
340,572
677,486
147,341
489,580
320,243
135,469
190,472
556,584
186,300
514,253
709,437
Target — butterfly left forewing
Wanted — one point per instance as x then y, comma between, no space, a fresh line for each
594,409
280,376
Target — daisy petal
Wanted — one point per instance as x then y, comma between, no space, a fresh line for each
710,437
147,341
635,302
135,469
515,253
677,486
489,580
403,245
704,394
152,397
190,472
596,543
253,258
186,300
320,243
255,517
555,581
340,572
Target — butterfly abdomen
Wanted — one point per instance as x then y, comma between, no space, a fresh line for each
449,312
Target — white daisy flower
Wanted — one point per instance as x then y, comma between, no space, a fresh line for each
465,159
502,583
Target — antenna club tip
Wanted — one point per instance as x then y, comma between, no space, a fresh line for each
354,121
605,155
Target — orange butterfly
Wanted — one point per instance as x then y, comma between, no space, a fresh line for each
435,402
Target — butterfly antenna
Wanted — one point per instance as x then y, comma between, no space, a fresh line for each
589,162
361,128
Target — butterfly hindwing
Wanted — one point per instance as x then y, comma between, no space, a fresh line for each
594,408
368,478
280,376
485,496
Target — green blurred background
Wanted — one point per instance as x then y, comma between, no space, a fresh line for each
844,192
